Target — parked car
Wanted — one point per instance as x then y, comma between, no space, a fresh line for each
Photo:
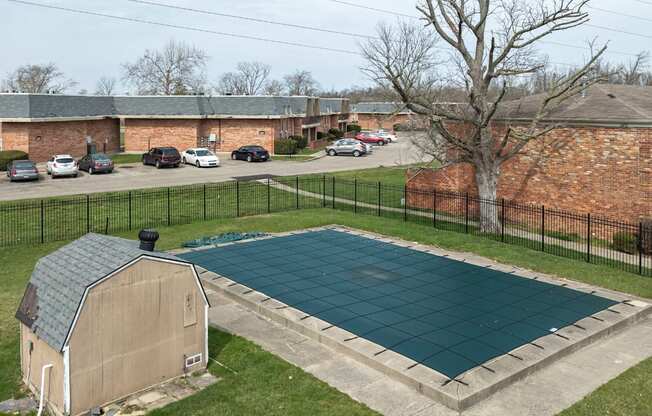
250,154
62,165
22,170
162,156
200,157
347,147
371,138
96,163
389,137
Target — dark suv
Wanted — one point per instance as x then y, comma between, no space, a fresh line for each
162,156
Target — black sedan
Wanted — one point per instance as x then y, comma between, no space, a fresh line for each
251,154
96,163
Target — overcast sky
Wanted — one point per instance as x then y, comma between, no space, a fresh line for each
88,47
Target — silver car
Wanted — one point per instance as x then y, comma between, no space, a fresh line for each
22,170
347,147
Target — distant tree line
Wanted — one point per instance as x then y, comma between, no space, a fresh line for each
180,69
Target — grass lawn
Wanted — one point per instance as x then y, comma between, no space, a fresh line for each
262,385
122,158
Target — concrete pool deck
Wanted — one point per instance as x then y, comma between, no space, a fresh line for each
473,386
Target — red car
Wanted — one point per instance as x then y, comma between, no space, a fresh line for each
370,138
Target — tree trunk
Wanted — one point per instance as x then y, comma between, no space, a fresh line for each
487,181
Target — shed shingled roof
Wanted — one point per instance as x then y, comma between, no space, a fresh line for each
59,281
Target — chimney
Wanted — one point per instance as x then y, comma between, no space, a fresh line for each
148,239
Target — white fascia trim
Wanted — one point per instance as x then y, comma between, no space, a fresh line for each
206,333
118,270
309,126
52,119
203,117
66,379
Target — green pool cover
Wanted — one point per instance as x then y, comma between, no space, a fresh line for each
448,315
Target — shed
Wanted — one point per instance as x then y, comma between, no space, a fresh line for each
104,317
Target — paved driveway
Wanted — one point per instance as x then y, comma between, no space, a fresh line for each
138,176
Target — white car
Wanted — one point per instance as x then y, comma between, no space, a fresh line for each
200,157
62,165
391,138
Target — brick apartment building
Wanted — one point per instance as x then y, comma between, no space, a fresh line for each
372,116
598,161
43,125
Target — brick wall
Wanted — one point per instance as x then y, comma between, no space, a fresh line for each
235,133
15,136
142,134
581,169
44,139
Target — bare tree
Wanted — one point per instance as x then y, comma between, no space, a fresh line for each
248,79
177,69
254,76
273,87
635,72
38,79
301,83
230,83
492,42
105,86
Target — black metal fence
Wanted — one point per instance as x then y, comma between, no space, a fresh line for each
591,238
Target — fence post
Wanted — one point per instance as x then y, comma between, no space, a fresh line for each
333,192
640,247
204,212
405,198
588,238
88,213
502,221
355,195
466,213
168,206
296,185
269,196
323,191
237,198
379,198
129,210
434,207
42,222
543,228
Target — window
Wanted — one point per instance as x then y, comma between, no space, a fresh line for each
193,360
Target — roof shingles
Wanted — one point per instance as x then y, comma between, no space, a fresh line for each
62,277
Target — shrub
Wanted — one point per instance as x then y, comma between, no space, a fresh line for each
336,133
354,127
625,242
8,156
399,127
285,146
302,142
320,135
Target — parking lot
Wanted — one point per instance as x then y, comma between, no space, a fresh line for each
136,176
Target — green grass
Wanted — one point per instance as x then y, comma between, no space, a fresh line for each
262,385
123,158
257,380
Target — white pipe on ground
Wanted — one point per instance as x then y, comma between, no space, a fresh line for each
40,404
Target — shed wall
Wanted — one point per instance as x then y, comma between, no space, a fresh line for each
42,354
131,335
